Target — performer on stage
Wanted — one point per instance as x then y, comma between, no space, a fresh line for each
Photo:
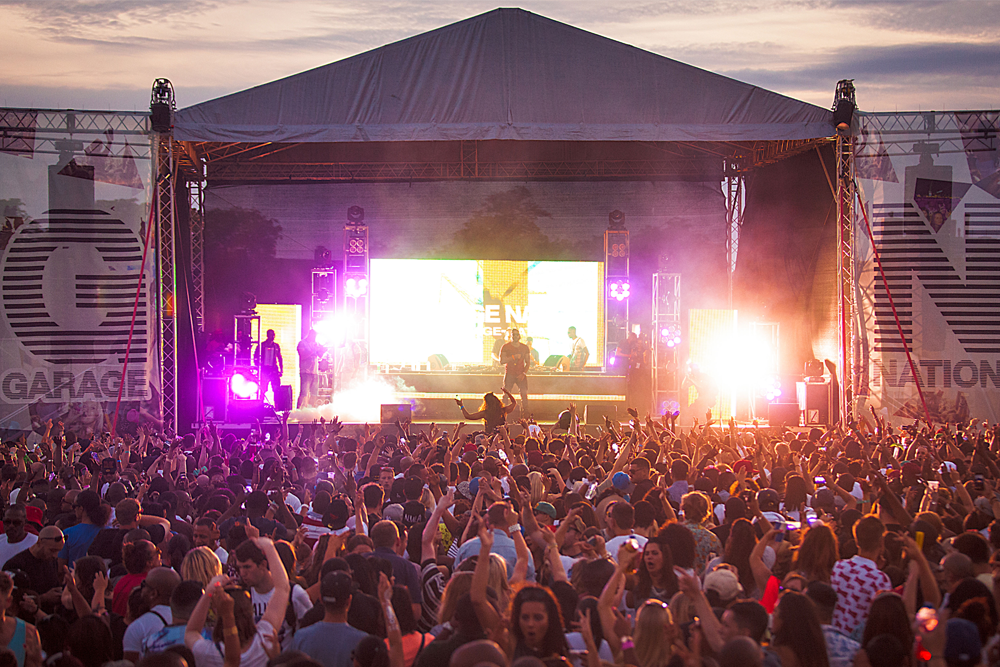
493,412
309,353
579,353
267,357
516,357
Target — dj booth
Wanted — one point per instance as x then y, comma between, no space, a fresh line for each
432,393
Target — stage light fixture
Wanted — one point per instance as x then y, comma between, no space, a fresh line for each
355,287
244,386
670,408
670,334
619,289
844,105
616,220
331,331
161,106
248,303
770,389
355,215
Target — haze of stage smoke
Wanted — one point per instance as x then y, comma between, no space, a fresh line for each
357,403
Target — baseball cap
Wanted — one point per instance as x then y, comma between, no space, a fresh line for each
546,508
767,499
621,480
413,513
473,487
336,587
963,644
393,512
723,582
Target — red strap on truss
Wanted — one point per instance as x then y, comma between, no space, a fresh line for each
892,304
135,309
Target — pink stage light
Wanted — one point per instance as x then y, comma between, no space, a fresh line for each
356,287
244,387
619,289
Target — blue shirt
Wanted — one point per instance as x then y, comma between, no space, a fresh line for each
330,644
503,546
406,572
78,539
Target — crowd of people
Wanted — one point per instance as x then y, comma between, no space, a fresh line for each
641,543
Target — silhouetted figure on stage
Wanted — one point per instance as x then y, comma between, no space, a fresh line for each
634,352
516,357
578,353
267,357
309,353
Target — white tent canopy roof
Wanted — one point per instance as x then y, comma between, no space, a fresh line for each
506,74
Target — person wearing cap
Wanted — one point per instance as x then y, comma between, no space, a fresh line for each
40,563
331,641
963,645
545,515
724,585
15,538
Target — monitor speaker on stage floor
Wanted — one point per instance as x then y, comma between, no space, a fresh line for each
594,413
283,399
438,362
390,412
783,414
552,360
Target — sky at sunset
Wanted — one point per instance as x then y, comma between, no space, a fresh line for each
105,54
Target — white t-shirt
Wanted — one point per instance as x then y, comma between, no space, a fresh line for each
615,542
208,654
222,554
8,551
145,626
300,600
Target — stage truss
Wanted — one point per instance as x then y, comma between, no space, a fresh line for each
201,164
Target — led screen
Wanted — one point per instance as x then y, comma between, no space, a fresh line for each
423,307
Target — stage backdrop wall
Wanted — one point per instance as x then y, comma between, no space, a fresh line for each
72,239
931,188
276,228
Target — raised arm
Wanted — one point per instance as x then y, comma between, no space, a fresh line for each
274,613
394,635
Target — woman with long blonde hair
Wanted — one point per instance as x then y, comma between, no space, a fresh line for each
201,564
537,486
654,634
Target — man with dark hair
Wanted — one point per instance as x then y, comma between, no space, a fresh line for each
746,619
976,547
741,652
206,534
256,504
858,580
480,653
840,648
251,562
620,520
331,642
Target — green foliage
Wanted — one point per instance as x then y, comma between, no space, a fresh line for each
505,227
239,236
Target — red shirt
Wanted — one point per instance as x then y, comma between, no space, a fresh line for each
119,598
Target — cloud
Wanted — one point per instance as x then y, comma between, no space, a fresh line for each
957,75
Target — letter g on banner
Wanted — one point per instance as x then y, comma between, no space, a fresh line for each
69,284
